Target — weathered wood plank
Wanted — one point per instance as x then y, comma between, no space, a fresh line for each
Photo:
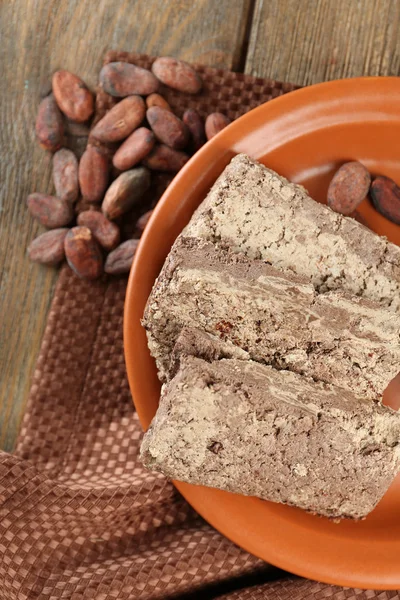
39,36
308,41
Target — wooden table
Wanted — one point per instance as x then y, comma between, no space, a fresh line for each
302,41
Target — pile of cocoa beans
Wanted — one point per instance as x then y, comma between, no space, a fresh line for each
352,183
86,212
145,135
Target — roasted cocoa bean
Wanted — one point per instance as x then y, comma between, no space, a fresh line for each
83,253
104,231
177,74
167,127
125,192
48,248
134,149
121,120
195,124
215,123
65,175
348,188
50,211
143,220
72,95
120,260
122,79
49,125
385,194
93,174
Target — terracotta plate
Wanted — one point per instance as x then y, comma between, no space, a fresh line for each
304,135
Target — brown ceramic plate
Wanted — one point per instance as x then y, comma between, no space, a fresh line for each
305,136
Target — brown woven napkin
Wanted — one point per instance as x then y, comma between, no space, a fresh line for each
79,516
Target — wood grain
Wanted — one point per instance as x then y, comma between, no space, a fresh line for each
39,36
308,41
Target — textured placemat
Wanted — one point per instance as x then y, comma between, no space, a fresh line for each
79,516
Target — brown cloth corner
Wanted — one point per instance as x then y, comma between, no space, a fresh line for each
80,518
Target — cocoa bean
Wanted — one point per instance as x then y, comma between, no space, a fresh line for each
121,120
167,127
125,192
48,248
134,149
50,211
65,175
385,194
164,158
119,261
177,74
195,124
72,95
157,100
122,79
49,124
93,174
143,220
215,123
348,188
104,231
83,253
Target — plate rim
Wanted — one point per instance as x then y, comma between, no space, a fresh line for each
298,96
